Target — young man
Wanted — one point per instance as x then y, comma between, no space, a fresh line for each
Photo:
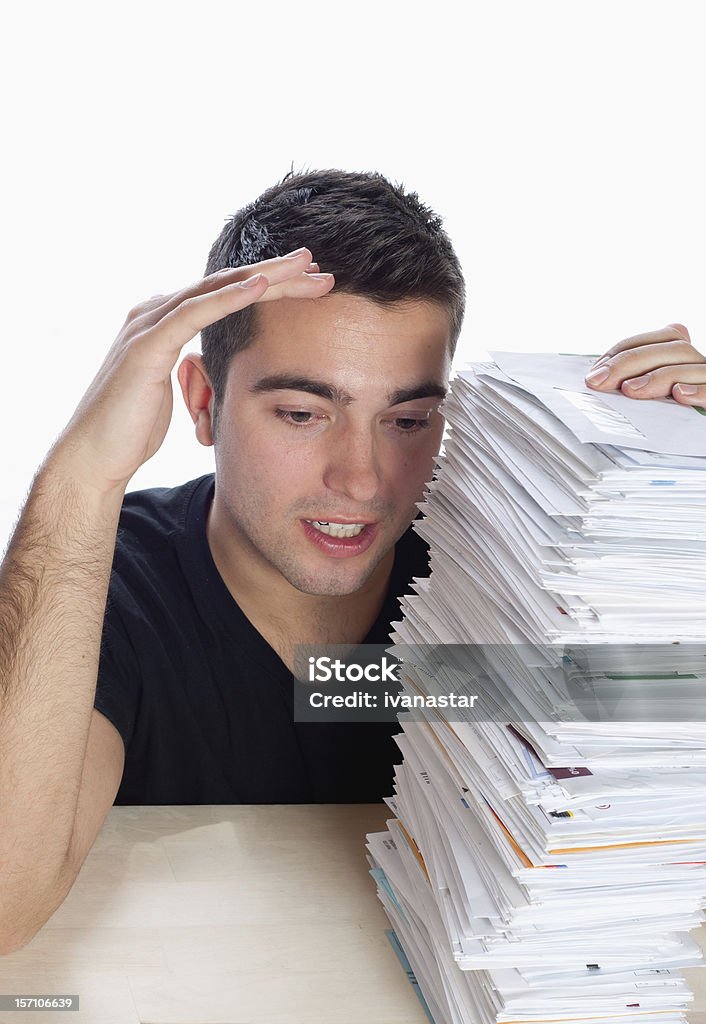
322,406
324,415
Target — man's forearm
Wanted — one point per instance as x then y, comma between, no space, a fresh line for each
53,586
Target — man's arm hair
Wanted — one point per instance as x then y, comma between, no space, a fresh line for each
53,588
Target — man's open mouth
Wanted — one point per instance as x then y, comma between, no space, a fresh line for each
337,529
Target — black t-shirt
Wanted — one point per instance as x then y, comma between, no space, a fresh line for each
203,703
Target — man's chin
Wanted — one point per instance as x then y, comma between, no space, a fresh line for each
325,585
340,579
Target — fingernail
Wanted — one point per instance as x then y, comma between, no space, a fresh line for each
250,282
296,252
638,382
598,376
686,389
320,277
601,361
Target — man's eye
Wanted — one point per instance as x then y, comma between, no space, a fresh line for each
295,417
408,425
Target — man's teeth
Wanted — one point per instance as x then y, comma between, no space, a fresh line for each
338,529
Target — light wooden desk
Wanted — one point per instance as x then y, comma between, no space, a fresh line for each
226,915
221,914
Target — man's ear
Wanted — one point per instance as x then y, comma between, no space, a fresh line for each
198,395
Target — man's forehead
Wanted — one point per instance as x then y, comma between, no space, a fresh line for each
346,349
352,316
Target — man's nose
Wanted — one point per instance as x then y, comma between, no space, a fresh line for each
353,466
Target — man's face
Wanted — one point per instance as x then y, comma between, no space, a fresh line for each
330,416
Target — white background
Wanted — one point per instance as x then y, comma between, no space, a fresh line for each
562,142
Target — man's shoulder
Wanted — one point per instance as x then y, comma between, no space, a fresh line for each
156,513
159,545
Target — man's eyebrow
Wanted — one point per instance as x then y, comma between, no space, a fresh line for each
429,389
290,382
331,392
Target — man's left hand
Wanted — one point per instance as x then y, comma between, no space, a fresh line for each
657,364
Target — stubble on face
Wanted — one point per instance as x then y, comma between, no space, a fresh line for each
272,550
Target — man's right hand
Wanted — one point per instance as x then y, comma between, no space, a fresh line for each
123,418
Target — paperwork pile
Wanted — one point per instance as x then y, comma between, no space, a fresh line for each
548,855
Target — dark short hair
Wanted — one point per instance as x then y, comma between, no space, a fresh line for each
379,242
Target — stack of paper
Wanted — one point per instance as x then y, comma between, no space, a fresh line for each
548,855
